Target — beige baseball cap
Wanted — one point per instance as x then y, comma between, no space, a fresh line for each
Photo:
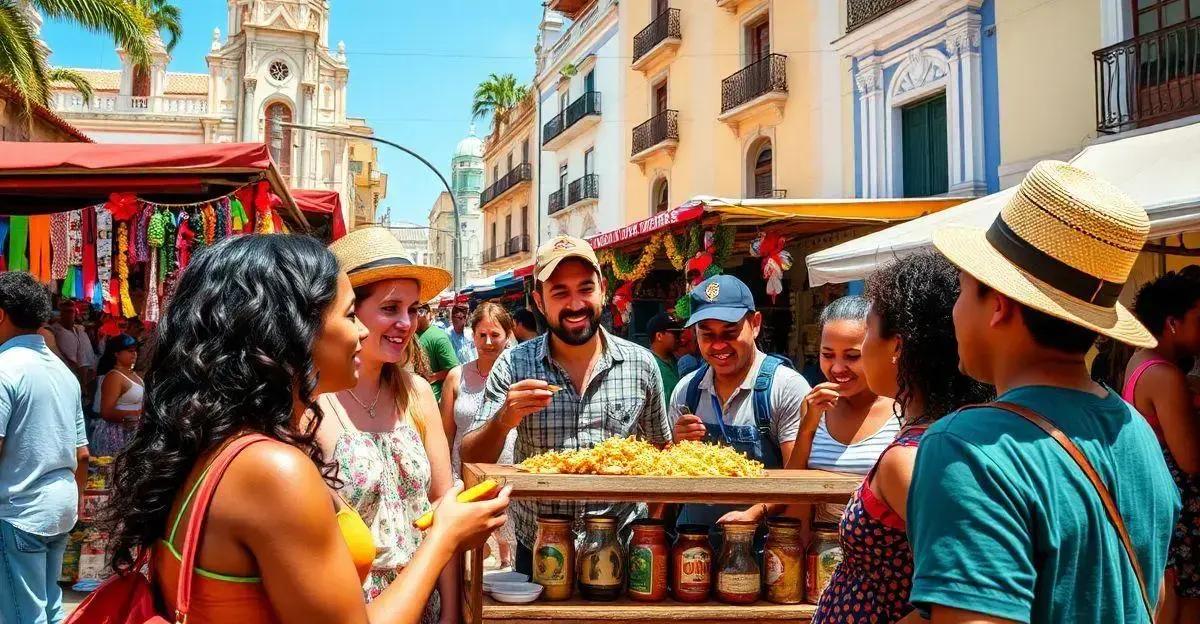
559,248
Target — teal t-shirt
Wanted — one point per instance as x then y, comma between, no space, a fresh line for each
1002,522
440,352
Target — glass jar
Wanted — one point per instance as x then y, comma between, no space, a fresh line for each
601,560
738,578
691,558
824,555
783,560
648,561
554,557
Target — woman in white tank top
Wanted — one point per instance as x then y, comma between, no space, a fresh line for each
118,399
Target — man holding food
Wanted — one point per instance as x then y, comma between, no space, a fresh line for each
570,388
739,396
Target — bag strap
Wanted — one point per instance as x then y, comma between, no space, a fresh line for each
761,396
1110,506
691,395
195,526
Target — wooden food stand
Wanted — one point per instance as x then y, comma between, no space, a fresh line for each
779,486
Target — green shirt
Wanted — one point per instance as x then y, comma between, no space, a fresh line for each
670,375
440,351
1003,522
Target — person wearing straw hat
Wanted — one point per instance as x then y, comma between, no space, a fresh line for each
385,434
1052,504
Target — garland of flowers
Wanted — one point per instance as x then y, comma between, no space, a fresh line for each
123,270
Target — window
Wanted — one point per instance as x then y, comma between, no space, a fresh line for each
562,177
493,244
141,82
356,167
524,220
589,161
510,161
1154,15
589,81
279,71
660,97
524,152
763,166
758,40
661,6
923,136
280,136
564,100
660,196
508,227
495,173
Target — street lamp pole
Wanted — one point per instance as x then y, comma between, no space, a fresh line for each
277,132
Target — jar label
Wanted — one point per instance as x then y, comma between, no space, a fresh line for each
774,567
551,566
641,570
602,568
695,567
731,583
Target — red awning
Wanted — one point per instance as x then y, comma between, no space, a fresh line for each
325,203
39,178
646,227
524,271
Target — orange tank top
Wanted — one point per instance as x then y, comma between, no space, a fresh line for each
219,598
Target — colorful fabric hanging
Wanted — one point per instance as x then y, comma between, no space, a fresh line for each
245,196
237,214
3,242
151,313
68,283
103,247
123,269
170,256
141,247
183,240
59,244
39,247
92,288
18,241
210,224
222,213
263,224
75,237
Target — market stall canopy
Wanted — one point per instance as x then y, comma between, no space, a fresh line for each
324,204
1158,170
40,178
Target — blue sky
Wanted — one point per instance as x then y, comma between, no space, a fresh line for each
413,69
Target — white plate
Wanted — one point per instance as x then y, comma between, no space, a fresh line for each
491,578
515,598
516,588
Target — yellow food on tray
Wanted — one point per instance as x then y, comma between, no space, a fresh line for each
630,456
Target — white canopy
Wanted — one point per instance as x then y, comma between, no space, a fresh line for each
1159,170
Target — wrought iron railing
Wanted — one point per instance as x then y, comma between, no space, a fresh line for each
766,75
554,203
665,26
587,187
657,129
860,12
517,244
520,173
772,194
1148,79
587,104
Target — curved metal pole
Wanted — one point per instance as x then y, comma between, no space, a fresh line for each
453,200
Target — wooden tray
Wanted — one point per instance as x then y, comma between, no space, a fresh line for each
576,611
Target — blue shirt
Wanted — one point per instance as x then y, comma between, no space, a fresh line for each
1003,522
464,345
41,422
687,364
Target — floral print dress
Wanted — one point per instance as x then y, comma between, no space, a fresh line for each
386,478
874,580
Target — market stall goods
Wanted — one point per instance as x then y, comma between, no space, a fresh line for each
739,579
601,560
630,456
648,561
824,555
554,557
783,561
691,564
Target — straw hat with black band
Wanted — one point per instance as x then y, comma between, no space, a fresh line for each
372,254
1064,245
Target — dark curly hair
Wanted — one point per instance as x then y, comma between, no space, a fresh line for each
24,300
233,350
913,298
1171,295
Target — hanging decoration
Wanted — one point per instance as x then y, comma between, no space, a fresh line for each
123,270
184,238
264,223
622,302
775,260
210,224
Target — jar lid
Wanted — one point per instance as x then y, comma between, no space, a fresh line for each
696,530
600,520
740,527
784,522
554,518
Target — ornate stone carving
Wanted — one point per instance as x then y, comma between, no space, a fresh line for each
249,84
919,69
869,78
963,40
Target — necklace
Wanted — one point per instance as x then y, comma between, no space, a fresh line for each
370,408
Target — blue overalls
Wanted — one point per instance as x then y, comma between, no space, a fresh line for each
753,440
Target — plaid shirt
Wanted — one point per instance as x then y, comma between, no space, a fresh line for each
624,397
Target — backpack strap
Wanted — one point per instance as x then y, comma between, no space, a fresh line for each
1110,506
762,394
691,394
195,526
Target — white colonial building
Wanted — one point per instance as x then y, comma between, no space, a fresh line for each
275,64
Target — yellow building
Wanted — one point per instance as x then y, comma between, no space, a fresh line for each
733,98
370,184
507,202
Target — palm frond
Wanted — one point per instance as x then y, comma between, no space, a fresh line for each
73,78
22,60
125,21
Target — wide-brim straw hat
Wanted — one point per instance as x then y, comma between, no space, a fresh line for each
372,254
1064,245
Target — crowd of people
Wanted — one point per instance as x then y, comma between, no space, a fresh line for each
1000,481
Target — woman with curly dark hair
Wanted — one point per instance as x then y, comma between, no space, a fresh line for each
910,354
258,327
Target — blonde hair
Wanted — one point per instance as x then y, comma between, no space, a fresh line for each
489,311
397,375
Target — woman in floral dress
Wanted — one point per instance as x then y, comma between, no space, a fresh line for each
385,434
910,353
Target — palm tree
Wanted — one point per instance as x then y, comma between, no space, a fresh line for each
164,16
23,64
73,78
497,96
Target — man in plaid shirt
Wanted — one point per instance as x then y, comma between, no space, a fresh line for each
606,387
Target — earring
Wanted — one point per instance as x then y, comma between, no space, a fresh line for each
895,358
1172,328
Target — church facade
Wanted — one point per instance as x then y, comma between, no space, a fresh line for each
274,64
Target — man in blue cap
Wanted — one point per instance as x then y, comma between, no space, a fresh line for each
739,396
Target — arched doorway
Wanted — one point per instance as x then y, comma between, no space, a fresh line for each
762,169
659,196
280,140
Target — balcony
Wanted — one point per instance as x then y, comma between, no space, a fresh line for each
579,116
658,135
521,174
73,102
554,203
771,194
862,12
732,6
1149,79
760,87
658,43
585,189
570,8
514,246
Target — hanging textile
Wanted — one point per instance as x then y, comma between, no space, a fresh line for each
123,269
183,240
245,196
75,238
91,288
59,243
103,254
238,218
151,312
222,214
142,248
263,223
3,242
210,224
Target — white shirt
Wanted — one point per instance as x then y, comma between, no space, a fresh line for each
75,345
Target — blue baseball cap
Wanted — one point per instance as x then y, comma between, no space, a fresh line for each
720,298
